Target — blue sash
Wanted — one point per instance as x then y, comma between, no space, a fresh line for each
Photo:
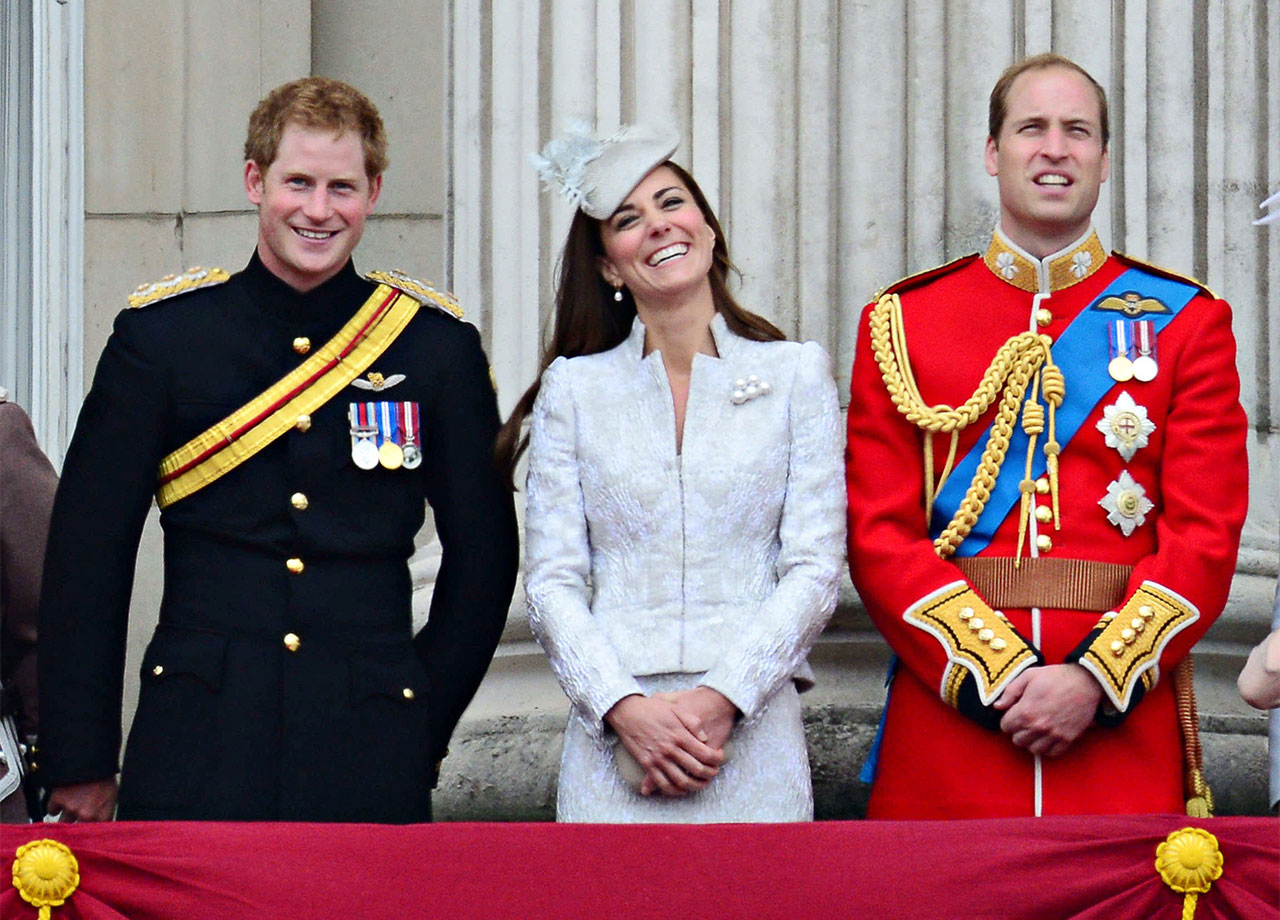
1082,354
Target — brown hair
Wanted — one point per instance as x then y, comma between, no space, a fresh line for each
588,320
316,102
998,107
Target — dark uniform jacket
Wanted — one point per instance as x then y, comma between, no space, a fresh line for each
269,693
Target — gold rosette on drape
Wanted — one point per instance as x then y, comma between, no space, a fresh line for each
46,873
1190,862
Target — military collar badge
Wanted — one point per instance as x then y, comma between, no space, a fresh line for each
1055,272
1125,426
1126,503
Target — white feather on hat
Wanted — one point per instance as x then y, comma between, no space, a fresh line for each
597,174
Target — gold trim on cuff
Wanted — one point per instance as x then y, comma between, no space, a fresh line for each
977,639
1132,639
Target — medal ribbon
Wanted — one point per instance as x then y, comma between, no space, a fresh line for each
388,423
1119,339
1145,334
1079,353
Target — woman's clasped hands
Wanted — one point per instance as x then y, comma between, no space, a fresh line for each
678,739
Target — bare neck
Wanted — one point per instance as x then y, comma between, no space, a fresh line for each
679,331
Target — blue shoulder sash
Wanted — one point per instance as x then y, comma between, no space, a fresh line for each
1082,354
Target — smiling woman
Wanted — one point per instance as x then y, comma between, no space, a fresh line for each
685,516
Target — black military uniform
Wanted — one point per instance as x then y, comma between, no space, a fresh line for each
283,681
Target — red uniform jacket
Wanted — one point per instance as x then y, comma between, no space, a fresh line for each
936,759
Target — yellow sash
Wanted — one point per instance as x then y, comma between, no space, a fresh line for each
302,391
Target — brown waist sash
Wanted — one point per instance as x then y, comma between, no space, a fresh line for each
1066,584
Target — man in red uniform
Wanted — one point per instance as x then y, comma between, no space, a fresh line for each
1043,554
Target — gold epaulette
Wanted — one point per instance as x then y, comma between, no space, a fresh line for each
420,291
919,278
192,279
1164,272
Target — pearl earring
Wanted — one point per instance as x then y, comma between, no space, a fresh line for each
617,294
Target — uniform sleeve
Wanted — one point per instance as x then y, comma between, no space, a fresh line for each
937,625
1175,594
108,480
558,559
475,520
774,643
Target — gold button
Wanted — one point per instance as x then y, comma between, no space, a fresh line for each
302,344
408,693
1044,316
1138,624
292,642
1044,514
975,623
1042,486
966,612
1127,635
303,423
1146,612
158,670
986,635
299,501
294,565
1044,543
998,644
1117,648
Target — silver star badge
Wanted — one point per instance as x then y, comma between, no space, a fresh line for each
1125,425
1126,503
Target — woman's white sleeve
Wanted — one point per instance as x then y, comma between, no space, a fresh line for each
557,562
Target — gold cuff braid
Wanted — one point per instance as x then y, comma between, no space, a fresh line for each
977,639
1129,647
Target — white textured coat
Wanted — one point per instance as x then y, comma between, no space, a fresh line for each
723,559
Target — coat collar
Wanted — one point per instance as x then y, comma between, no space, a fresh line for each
721,334
1071,265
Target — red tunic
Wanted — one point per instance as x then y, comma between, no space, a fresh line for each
934,760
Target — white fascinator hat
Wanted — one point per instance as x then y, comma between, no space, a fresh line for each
596,174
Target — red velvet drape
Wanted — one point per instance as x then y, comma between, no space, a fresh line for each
1035,868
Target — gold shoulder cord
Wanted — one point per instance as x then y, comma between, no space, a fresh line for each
1023,362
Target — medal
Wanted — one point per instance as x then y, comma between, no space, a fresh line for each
1125,426
1126,503
1145,367
364,450
409,424
1120,367
389,453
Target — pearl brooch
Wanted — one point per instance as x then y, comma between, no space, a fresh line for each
748,388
